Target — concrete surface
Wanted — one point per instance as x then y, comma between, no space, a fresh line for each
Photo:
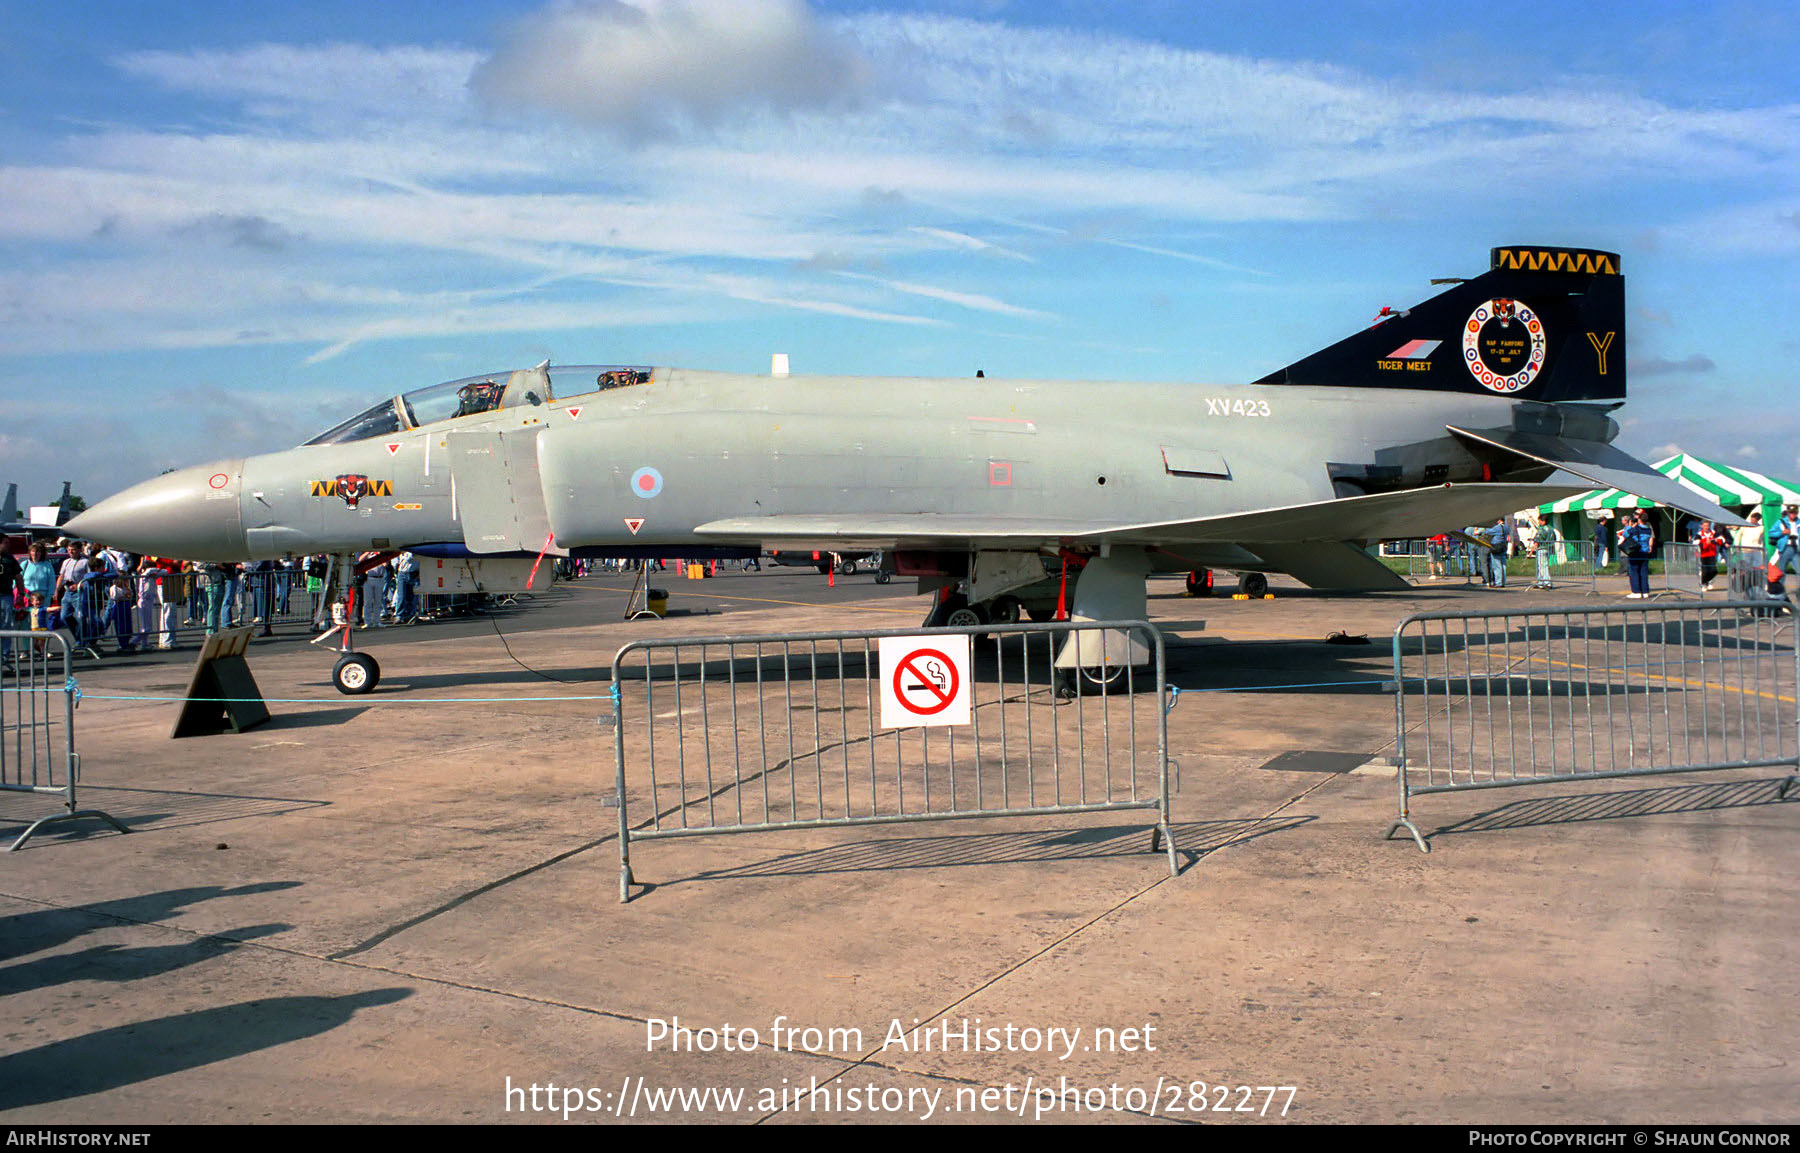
389,908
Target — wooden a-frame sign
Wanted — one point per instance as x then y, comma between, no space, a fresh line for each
221,694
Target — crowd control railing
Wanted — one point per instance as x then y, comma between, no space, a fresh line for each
1488,700
38,695
752,734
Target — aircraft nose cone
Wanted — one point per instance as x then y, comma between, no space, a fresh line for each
188,514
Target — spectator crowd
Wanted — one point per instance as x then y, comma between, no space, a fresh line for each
145,602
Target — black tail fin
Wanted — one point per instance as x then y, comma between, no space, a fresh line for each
1542,324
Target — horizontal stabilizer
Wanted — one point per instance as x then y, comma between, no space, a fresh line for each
1601,464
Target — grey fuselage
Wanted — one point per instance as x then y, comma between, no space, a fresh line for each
645,466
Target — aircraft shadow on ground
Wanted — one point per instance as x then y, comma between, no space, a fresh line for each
1572,809
1296,666
128,1054
138,809
1193,841
1286,666
1201,664
593,679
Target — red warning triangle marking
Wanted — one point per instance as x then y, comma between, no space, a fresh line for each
393,447
575,413
634,523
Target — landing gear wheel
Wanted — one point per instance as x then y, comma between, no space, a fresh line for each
883,577
356,674
1041,615
965,616
1253,584
846,567
1102,675
1200,583
1004,610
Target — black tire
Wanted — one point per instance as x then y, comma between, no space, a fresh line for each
1253,584
1102,675
1041,615
846,567
965,615
1200,583
356,674
824,568
884,577
1004,610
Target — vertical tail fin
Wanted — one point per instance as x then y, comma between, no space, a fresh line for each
1544,324
9,512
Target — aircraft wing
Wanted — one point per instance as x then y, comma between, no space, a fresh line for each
1383,516
1602,464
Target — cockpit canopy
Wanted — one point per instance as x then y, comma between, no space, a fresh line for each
474,395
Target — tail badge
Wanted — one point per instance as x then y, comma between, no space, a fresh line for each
1503,345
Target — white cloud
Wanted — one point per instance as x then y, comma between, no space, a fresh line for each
283,80
975,301
652,68
967,243
334,181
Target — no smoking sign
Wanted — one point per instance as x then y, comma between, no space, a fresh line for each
924,681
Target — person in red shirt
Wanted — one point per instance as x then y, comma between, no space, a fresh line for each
1707,546
1436,549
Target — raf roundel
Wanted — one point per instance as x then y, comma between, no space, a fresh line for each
646,482
1503,345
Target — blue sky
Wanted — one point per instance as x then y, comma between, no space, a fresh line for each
223,228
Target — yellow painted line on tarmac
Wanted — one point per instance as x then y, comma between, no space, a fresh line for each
771,601
1648,676
912,612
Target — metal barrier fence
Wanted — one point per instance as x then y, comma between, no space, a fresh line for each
1487,700
37,730
755,734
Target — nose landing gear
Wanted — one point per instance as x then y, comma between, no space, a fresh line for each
356,674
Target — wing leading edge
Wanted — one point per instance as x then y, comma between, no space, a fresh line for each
1383,516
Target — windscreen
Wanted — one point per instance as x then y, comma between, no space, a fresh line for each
473,395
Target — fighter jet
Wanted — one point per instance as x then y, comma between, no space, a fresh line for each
11,525
1448,413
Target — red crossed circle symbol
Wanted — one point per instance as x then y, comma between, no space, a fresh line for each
940,698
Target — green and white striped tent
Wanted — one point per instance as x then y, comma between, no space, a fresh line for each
1735,488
